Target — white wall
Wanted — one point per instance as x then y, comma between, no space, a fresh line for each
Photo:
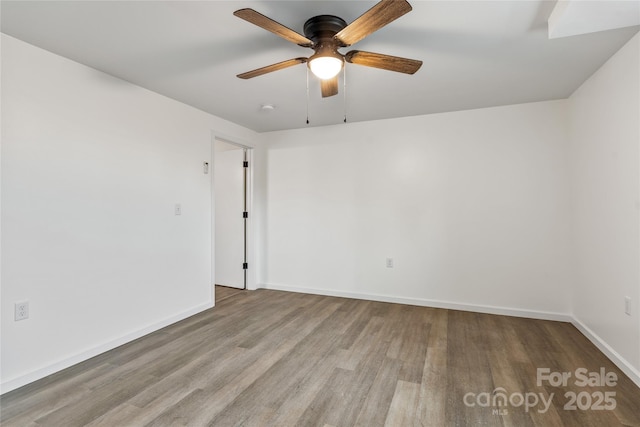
91,169
604,152
472,206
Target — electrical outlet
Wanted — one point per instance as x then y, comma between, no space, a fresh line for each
21,310
627,305
178,209
389,262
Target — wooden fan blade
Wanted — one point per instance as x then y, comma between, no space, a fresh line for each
372,20
329,87
271,68
385,62
276,28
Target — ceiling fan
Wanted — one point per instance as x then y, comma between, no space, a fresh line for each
325,34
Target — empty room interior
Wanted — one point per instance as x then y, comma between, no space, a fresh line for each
320,213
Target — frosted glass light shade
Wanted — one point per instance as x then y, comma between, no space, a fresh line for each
325,67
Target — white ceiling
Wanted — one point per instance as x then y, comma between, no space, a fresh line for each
573,17
476,54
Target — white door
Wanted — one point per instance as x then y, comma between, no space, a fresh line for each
229,192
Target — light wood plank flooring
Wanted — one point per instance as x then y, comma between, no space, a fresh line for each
269,358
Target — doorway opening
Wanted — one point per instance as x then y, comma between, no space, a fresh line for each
231,197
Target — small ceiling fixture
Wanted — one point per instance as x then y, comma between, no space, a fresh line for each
325,34
267,108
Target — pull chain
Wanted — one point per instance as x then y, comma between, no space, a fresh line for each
344,89
307,95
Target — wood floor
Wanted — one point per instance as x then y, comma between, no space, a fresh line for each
269,358
224,292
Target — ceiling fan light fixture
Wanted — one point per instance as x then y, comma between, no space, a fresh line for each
326,67
325,34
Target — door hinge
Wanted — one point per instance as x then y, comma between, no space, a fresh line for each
245,266
245,164
245,214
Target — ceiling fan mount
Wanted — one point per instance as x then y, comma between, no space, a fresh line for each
323,27
325,34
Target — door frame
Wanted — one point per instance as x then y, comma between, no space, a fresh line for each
250,281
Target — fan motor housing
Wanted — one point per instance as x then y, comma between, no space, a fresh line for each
323,27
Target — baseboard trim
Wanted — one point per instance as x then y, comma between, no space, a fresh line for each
88,354
530,314
608,351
